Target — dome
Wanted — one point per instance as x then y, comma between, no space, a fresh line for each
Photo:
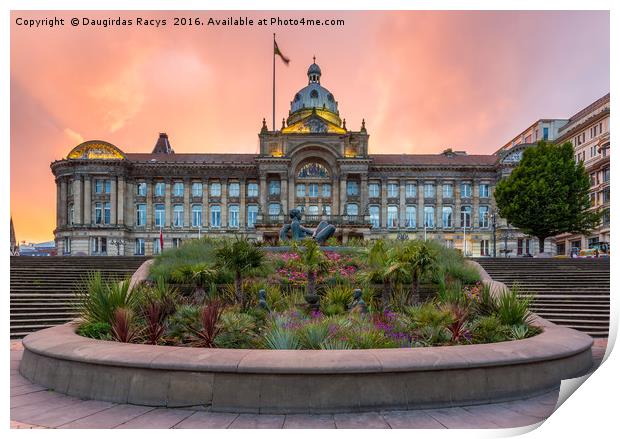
314,69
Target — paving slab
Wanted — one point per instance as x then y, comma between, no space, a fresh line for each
158,418
360,420
110,418
26,389
32,398
502,416
530,407
457,417
411,419
207,420
60,416
246,420
309,421
27,412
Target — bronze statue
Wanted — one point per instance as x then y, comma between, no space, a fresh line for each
322,233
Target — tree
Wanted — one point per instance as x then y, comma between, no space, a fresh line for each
240,256
547,193
419,258
314,262
198,275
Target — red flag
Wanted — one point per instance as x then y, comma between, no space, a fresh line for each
161,239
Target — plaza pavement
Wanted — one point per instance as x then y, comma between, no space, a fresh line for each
33,406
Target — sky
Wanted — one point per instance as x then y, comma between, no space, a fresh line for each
423,81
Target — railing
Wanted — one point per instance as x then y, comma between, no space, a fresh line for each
270,220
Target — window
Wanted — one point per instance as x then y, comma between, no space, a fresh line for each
160,215
523,246
141,189
66,246
177,189
313,209
327,190
233,189
560,248
352,209
252,189
410,217
178,212
465,190
429,190
483,216
327,210
392,217
107,185
216,215
252,215
233,216
484,247
465,216
160,189
196,189
606,175
313,170
98,186
156,246
545,133
313,190
392,190
411,190
446,216
352,188
107,213
139,246
176,242
373,211
140,214
98,213
197,215
215,190
99,245
448,191
300,190
606,195
373,190
274,187
483,190
274,209
429,217
605,218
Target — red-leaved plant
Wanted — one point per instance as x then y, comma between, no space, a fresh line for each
457,326
209,319
122,326
154,315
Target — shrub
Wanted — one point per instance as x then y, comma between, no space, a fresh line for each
333,309
184,317
99,299
190,252
98,330
335,344
369,339
519,332
458,326
489,329
313,335
434,334
512,309
452,293
209,319
428,314
123,328
237,331
340,294
154,316
486,304
277,337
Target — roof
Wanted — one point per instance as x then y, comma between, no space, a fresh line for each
192,158
581,113
433,159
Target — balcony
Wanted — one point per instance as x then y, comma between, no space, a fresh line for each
313,220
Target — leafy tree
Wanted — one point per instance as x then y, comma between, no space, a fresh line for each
547,193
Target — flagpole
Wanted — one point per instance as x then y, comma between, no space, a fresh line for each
273,114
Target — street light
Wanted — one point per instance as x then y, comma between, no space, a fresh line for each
494,225
118,243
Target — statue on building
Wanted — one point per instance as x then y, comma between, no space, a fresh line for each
322,233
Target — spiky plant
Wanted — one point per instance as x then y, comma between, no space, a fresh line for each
419,259
209,329
278,337
123,329
314,262
153,312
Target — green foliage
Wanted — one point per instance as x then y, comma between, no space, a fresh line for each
99,299
195,251
241,257
333,309
547,193
277,337
98,330
370,338
313,261
451,293
184,317
313,335
486,304
340,294
335,344
428,314
513,308
489,329
519,332
238,331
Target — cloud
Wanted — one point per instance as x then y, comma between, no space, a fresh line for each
76,138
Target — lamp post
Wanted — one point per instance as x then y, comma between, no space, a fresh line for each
494,225
464,240
118,243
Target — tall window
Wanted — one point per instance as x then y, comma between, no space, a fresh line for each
465,190
465,216
313,190
252,189
197,215
66,248
410,217
233,216
545,133
411,190
98,186
446,216
139,246
274,187
141,189
160,215
483,216
99,245
392,190
176,242
274,209
429,190
98,214
392,217
252,215
107,186
374,190
429,217
300,190
483,190
216,215
140,214
448,190
233,189
107,213
352,188
196,189
373,211
484,247
156,246
160,189
215,189
327,190
177,189
352,209
178,213
313,209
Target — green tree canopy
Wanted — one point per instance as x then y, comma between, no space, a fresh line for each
547,193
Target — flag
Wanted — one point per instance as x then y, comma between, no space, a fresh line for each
276,51
161,239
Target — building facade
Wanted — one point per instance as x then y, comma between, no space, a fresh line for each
112,202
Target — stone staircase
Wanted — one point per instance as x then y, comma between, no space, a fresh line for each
569,292
43,288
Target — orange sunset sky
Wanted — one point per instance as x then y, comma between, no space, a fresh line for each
424,81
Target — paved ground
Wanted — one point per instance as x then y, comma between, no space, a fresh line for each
33,406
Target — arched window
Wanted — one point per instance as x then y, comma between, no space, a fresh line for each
313,170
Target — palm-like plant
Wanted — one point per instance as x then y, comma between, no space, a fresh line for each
197,275
384,267
419,258
314,262
240,256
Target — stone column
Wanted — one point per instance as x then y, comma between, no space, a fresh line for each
187,207
88,194
262,190
401,203
63,202
205,202
438,204
58,205
343,193
384,202
130,204
284,193
335,195
456,217
167,202
363,193
78,200
224,198
420,207
476,203
242,206
120,190
113,200
291,192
